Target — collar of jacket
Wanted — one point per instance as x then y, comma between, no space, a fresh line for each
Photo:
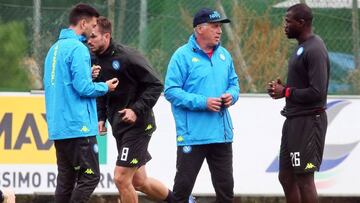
110,50
195,46
68,33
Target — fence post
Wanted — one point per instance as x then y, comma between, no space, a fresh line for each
237,50
36,30
355,27
120,25
142,25
111,12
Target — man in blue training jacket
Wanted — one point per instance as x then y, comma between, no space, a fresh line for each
201,84
71,107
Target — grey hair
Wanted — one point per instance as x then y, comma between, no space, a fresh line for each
197,27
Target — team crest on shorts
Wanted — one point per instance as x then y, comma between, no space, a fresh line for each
116,64
187,149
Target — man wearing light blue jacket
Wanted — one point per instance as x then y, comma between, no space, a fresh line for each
201,84
71,107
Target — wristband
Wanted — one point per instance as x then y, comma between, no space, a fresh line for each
287,92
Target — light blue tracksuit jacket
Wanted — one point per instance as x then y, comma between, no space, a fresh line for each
69,90
192,77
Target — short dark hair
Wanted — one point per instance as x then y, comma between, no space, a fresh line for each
302,11
104,25
80,11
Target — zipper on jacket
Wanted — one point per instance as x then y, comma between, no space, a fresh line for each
207,56
210,59
222,111
226,120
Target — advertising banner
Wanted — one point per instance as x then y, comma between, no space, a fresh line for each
28,162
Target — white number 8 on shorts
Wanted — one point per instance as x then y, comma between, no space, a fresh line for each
124,154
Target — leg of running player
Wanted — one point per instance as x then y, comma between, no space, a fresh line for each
150,186
123,177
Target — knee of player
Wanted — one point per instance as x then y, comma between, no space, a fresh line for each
139,184
95,178
304,186
284,179
118,179
306,181
121,182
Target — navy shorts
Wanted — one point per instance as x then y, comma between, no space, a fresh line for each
132,149
302,143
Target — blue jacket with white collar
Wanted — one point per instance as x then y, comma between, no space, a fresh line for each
192,77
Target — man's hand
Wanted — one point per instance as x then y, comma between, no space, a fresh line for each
226,100
9,195
128,116
276,89
214,104
102,128
112,84
95,71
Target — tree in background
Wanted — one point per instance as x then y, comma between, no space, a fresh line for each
264,47
13,46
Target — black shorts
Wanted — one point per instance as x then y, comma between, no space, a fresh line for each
302,143
132,149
